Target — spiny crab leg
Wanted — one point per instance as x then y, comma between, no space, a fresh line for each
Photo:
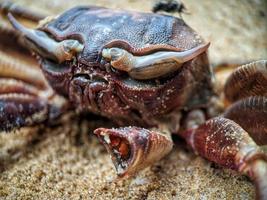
150,66
224,142
133,149
45,46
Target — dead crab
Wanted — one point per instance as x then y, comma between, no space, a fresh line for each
139,70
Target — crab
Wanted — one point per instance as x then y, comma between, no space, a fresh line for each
150,74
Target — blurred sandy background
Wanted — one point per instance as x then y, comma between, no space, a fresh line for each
63,163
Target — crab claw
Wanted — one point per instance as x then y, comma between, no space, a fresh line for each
45,46
153,65
133,149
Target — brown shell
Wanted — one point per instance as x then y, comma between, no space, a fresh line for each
137,32
114,94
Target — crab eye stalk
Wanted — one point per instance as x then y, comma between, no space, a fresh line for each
113,53
45,46
120,59
150,66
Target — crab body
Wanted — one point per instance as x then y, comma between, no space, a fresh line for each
146,71
91,83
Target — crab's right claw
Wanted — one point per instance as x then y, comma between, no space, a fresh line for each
133,149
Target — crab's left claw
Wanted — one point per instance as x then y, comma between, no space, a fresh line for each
133,149
153,65
45,46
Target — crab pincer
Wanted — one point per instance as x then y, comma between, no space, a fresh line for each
133,149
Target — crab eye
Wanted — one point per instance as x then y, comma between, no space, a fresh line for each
115,53
112,53
72,47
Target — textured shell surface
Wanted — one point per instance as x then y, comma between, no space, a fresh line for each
97,26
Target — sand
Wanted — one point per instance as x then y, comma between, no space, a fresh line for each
67,162
59,163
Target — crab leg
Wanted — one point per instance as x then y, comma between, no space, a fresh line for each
19,11
7,31
247,80
251,114
21,109
12,39
150,66
9,85
224,142
22,105
11,68
248,85
133,149
25,97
